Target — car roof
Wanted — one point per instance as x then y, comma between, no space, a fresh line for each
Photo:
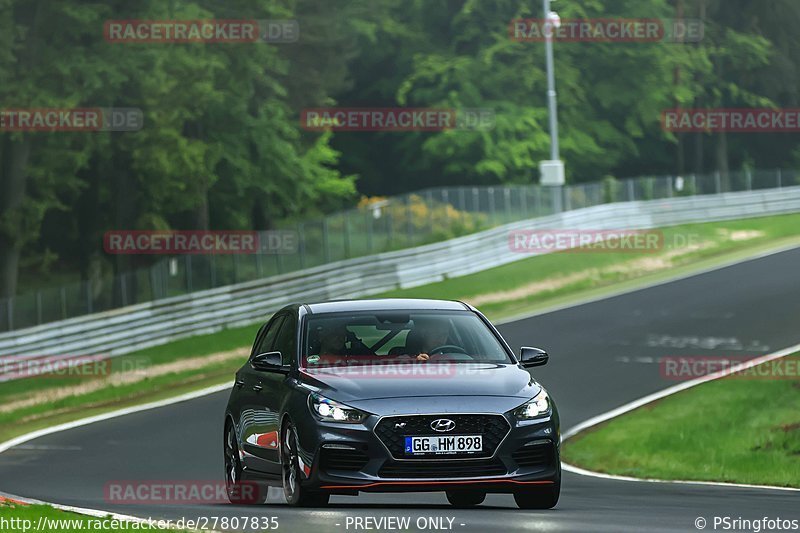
385,304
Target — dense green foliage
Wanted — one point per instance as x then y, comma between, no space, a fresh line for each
222,146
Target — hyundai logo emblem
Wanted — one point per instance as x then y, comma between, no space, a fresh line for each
443,424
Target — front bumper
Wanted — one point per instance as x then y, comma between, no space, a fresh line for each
345,458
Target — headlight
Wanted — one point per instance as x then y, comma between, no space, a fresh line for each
331,411
538,407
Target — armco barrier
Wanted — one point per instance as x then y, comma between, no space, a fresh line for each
132,328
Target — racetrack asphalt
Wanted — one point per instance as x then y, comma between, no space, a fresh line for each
603,354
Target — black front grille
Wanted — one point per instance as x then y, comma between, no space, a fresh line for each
341,459
393,430
539,454
442,469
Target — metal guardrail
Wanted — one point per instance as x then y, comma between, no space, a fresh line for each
140,326
376,226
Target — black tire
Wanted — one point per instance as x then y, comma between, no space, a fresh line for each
540,496
239,490
293,490
465,499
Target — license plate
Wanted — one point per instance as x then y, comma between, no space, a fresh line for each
444,444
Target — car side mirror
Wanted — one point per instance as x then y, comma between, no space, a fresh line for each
530,357
268,361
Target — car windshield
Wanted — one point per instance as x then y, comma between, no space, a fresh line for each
396,337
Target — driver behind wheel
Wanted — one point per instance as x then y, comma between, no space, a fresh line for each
428,334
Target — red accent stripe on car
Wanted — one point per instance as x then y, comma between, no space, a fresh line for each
467,482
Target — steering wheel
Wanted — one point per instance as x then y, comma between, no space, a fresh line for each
440,349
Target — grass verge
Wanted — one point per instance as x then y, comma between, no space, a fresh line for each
734,430
524,286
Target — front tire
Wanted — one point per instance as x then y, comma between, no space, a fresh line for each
465,499
240,491
293,491
540,496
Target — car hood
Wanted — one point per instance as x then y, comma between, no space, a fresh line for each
356,384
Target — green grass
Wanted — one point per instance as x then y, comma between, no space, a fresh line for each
733,430
26,518
607,272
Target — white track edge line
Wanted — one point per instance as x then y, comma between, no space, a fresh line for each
90,420
113,414
604,417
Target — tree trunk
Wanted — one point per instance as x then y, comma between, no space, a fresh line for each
13,175
722,160
200,216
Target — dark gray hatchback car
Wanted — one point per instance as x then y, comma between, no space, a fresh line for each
390,395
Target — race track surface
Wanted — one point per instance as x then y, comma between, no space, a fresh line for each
603,354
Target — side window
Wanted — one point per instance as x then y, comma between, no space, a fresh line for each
286,342
267,340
